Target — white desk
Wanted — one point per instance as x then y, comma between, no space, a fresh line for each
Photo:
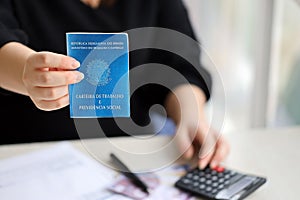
271,153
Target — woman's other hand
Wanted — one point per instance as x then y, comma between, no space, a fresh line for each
195,137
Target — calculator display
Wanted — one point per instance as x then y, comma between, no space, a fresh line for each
219,183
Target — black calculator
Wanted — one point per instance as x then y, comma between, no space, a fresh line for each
219,183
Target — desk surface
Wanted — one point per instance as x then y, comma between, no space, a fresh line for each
273,153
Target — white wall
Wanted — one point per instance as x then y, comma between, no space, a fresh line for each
237,36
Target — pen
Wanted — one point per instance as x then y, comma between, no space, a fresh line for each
126,172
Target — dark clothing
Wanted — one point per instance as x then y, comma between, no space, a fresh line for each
42,25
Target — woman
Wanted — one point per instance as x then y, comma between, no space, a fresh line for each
35,72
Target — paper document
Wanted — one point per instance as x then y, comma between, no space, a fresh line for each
60,172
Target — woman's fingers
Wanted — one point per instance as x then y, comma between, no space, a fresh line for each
214,147
53,78
46,69
49,94
47,76
52,104
221,152
208,146
42,60
210,149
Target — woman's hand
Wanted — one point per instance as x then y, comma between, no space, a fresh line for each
46,77
194,134
210,146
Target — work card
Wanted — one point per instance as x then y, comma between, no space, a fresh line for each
104,61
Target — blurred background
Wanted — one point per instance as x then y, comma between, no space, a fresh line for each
255,46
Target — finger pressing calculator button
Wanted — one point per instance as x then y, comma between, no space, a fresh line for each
219,169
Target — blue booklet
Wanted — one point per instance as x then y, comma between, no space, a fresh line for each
104,59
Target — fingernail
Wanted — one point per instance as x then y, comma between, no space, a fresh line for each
202,165
80,76
75,64
213,164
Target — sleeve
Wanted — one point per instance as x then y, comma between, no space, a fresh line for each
10,30
9,27
173,15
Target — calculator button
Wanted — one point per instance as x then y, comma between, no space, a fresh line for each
215,168
214,178
208,182
208,176
227,176
214,191
202,179
208,189
189,175
215,184
195,177
195,184
219,169
226,182
221,180
186,181
202,186
221,186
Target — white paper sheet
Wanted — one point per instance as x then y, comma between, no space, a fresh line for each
60,172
